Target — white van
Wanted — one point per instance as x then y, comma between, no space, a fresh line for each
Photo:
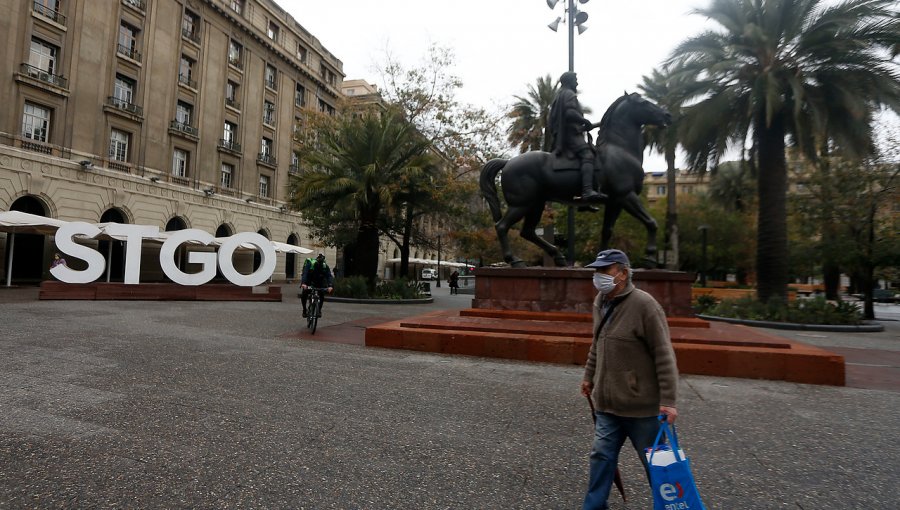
429,274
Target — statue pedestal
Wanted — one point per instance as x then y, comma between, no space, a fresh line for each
542,289
544,314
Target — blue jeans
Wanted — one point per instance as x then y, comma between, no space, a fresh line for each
609,436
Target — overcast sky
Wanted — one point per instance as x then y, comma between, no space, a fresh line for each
502,46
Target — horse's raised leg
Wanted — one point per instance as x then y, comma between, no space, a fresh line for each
531,221
634,207
512,216
610,214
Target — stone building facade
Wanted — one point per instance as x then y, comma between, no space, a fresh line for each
175,113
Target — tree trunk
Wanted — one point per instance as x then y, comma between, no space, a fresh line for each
404,248
772,249
671,211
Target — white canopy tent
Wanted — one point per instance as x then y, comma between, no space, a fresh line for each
429,262
16,222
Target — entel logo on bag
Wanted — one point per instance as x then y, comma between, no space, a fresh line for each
671,492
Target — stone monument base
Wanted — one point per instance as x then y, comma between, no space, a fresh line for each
100,291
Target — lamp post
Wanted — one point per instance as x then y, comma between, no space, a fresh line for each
438,284
703,229
574,18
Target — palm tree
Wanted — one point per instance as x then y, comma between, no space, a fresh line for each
529,128
786,71
355,173
667,90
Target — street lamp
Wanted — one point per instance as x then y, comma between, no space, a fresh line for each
703,229
575,18
438,284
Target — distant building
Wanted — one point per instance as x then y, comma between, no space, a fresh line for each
655,184
175,113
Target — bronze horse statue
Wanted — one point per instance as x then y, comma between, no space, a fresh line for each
531,179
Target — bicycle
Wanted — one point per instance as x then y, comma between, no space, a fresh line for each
314,308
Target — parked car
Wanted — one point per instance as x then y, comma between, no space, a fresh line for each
429,274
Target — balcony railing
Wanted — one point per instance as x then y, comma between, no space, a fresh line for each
183,128
124,105
37,147
137,4
129,52
232,103
231,192
44,76
120,167
49,13
294,169
191,34
236,62
271,84
266,159
229,145
183,181
186,80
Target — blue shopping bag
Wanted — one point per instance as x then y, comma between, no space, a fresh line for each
672,483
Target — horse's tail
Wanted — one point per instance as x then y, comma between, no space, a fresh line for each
489,187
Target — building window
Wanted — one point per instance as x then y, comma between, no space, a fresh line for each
123,89
272,31
271,75
230,133
36,122
235,52
43,56
269,113
183,113
128,40
266,147
325,107
237,6
302,52
190,25
118,145
231,94
300,96
227,173
327,75
264,186
660,190
186,71
180,163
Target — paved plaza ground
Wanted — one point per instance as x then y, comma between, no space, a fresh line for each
231,405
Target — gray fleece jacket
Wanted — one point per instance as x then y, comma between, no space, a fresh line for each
631,362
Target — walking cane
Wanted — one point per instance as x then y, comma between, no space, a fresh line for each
617,478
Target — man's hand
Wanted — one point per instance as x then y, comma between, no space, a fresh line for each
586,388
303,286
330,290
670,412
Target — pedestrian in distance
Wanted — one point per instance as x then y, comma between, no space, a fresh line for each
631,374
453,281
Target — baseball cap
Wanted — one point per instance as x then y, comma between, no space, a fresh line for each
609,257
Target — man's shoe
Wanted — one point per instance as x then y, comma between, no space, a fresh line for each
304,313
588,208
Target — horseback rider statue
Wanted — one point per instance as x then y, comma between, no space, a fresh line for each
567,127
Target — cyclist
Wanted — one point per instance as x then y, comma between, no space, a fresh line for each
316,274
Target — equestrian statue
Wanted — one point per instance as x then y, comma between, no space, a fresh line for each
575,173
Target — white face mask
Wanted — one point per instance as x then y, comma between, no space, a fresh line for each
604,283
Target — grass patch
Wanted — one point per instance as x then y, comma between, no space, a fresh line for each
801,311
355,287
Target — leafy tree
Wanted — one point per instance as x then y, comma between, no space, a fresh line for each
730,238
669,91
530,115
857,200
355,168
786,71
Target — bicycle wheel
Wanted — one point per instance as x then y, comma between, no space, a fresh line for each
314,314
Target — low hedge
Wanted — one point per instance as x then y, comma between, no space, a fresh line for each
356,287
801,311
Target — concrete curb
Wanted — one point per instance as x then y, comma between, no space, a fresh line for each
869,327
